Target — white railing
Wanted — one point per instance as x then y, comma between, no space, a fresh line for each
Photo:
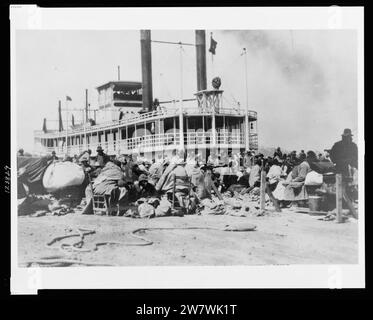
152,142
128,120
122,146
192,138
137,118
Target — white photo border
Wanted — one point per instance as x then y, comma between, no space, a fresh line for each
29,280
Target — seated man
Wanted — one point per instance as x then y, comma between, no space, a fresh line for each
108,183
167,183
242,181
144,187
294,185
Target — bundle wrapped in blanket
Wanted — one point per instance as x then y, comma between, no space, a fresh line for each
60,175
108,179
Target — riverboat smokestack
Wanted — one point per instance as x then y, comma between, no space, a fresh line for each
201,59
146,66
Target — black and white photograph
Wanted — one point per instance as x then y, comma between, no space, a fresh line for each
187,147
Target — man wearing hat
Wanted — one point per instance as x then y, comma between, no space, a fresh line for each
20,153
144,188
344,154
53,156
102,158
84,162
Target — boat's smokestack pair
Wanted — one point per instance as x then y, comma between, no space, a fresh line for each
146,65
201,59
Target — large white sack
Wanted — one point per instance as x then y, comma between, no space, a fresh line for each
60,175
313,179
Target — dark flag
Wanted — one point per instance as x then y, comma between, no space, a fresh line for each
213,44
68,98
72,120
45,125
60,123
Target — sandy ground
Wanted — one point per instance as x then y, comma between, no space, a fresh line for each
281,238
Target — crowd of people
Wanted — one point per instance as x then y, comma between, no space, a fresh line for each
238,172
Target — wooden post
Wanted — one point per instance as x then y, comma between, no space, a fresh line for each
173,190
208,181
339,196
262,190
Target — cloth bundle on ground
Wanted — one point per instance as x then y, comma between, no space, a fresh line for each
149,208
46,205
60,175
146,210
163,209
211,206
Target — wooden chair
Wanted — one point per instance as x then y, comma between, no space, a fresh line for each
101,206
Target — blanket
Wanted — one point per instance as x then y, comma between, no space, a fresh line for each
31,169
30,173
108,179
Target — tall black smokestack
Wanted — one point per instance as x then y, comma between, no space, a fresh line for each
60,122
201,59
146,66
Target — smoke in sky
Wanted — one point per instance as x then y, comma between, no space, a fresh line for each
302,83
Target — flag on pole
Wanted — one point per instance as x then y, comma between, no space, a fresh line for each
72,120
68,98
213,44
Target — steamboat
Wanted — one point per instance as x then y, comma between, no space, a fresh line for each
135,123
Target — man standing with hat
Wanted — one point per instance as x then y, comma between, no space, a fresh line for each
344,154
53,156
102,158
20,153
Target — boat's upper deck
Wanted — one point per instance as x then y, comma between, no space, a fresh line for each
135,118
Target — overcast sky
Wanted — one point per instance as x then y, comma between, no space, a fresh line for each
303,84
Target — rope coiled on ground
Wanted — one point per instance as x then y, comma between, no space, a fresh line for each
82,232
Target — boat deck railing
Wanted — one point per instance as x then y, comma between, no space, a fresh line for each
130,119
158,142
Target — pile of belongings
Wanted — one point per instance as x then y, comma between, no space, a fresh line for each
45,205
332,215
149,208
211,206
234,205
39,175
